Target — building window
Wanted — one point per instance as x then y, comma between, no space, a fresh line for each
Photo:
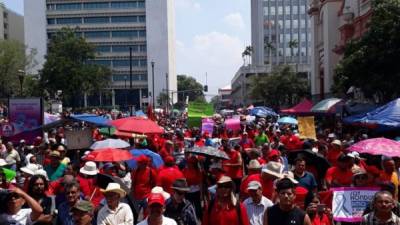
302,9
97,34
69,20
125,77
265,11
125,34
51,21
295,9
287,24
125,63
287,10
69,6
272,9
142,33
280,10
101,62
103,48
142,19
295,24
143,63
124,19
142,48
123,5
51,7
302,23
141,4
96,5
96,19
303,37
124,48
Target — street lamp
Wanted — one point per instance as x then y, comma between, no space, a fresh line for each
152,81
21,76
126,91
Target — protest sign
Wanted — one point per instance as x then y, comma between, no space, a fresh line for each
307,127
349,203
207,125
197,111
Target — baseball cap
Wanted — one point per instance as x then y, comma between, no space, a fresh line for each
84,206
156,198
254,185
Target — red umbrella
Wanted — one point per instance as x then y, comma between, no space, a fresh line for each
110,155
137,125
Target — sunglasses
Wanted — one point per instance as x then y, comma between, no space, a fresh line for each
224,185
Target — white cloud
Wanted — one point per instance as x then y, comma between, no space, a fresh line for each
187,5
234,20
216,53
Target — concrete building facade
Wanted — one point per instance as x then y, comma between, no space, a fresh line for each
117,29
334,23
12,27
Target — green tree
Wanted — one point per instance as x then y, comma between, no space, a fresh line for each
13,58
371,63
188,86
248,51
280,88
68,68
292,45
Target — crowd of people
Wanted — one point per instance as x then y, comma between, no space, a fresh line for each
264,182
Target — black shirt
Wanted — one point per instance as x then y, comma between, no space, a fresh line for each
278,216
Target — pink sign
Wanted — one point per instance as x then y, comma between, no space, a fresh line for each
232,124
207,125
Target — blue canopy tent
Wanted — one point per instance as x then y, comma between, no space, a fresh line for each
99,121
385,117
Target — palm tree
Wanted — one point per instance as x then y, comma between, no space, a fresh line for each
293,44
247,52
269,46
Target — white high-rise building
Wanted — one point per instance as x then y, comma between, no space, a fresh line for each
12,27
116,28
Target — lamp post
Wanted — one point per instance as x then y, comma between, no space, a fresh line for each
126,91
152,81
21,76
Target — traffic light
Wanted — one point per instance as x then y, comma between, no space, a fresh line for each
205,88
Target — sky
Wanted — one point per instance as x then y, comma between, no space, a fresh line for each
210,38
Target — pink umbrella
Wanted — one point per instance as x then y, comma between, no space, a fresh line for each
377,146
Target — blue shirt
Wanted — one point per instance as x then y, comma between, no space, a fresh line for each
64,215
307,181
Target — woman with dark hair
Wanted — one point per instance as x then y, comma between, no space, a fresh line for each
319,214
37,188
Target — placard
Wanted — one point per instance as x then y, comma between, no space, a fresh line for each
307,127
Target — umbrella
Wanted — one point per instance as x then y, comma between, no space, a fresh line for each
208,151
110,155
377,146
311,158
262,111
287,120
326,105
110,143
156,159
107,130
137,125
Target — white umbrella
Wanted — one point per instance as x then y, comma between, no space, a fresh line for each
110,143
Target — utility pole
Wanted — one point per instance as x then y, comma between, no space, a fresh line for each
167,89
130,67
152,81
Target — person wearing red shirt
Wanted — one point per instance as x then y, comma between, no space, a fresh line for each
245,142
334,151
167,149
143,180
199,142
195,179
168,174
269,173
291,141
87,182
340,175
225,209
233,166
253,168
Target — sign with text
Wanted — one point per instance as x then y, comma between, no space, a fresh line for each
197,111
349,203
307,127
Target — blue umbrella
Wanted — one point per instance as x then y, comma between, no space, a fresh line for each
287,120
155,158
262,111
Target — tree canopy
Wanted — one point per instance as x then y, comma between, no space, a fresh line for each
69,67
188,86
371,63
13,62
280,88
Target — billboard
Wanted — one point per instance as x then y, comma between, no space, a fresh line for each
25,118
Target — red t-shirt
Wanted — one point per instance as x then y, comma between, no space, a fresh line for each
193,176
167,176
321,220
332,156
233,171
225,216
90,190
343,178
142,182
245,182
291,142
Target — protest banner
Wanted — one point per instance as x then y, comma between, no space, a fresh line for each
207,125
307,127
197,111
25,117
349,203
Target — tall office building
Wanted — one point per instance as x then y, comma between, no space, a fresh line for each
12,25
117,28
280,33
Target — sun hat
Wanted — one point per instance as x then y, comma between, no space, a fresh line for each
254,185
156,198
114,188
273,168
30,169
224,179
254,165
84,206
180,185
160,190
290,176
42,172
337,142
90,168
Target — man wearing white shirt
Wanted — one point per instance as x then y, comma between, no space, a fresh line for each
256,203
115,212
156,208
